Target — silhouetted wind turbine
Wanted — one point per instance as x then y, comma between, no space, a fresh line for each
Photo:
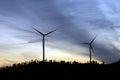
90,47
43,35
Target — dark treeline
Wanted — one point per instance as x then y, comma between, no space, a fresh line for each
52,70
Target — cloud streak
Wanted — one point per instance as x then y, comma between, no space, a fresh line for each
76,21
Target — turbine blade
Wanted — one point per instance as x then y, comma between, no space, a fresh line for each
92,49
85,43
50,32
93,39
34,41
38,31
117,26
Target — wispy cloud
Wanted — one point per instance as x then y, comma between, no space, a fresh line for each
76,21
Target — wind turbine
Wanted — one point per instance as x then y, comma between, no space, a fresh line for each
90,47
43,40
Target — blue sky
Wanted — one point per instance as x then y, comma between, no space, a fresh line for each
76,21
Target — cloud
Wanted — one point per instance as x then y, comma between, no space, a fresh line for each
76,21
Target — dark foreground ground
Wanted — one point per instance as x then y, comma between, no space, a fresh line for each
38,70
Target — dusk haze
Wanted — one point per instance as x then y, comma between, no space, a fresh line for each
69,23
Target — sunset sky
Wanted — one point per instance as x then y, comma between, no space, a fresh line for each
76,21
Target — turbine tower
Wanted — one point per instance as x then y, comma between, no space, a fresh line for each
43,40
90,47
